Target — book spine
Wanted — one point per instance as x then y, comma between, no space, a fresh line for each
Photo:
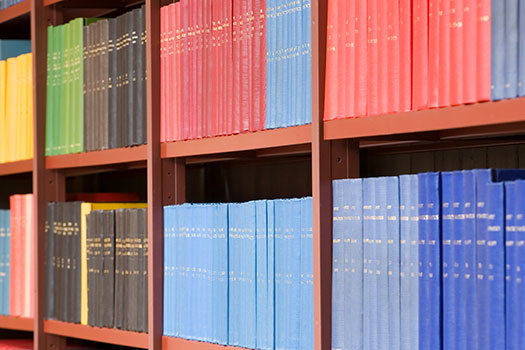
112,83
332,76
381,242
91,224
434,243
457,52
470,42
444,62
405,47
394,61
338,266
434,8
50,251
404,265
140,75
495,273
420,55
458,209
369,287
341,67
511,48
382,53
306,310
164,100
169,329
263,337
132,53
512,336
424,256
49,90
483,23
498,50
372,57
393,262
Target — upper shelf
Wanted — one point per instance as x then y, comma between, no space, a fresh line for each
169,343
281,140
18,167
102,335
475,120
15,11
16,323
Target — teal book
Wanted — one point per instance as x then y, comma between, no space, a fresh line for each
13,48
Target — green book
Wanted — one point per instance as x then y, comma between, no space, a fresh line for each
49,91
77,124
59,88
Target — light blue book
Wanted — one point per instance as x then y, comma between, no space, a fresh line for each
414,260
281,306
306,52
293,242
498,50
13,48
262,275
167,278
370,340
424,289
339,263
511,48
393,268
306,307
381,246
271,273
222,294
406,330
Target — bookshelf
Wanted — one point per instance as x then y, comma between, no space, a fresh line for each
334,147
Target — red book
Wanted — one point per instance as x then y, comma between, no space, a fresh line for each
170,36
470,51
373,59
185,70
394,58
444,54
342,68
163,89
103,197
178,79
17,261
208,77
483,50
420,55
433,53
29,247
262,62
237,65
193,86
256,71
215,55
350,59
361,63
382,54
456,51
405,47
230,97
332,68
199,50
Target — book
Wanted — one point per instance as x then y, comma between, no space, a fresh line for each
420,54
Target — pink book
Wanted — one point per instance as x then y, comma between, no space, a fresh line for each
332,68
342,67
433,52
178,135
420,55
405,47
17,261
373,58
231,87
382,55
207,54
29,274
170,35
483,50
361,64
261,57
185,70
350,59
394,58
456,52
163,89
470,51
444,54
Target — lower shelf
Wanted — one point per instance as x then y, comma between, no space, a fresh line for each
16,323
102,335
171,343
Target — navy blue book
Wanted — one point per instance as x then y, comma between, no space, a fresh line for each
521,54
449,282
512,295
511,48
498,50
459,260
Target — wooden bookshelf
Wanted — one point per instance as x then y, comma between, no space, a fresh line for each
170,343
19,167
103,335
16,323
110,157
15,11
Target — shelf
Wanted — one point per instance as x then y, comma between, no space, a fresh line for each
266,139
16,323
12,12
171,343
102,335
480,119
113,158
18,167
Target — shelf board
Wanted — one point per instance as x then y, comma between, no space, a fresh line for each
102,335
171,343
16,323
18,167
275,139
479,119
110,157
17,10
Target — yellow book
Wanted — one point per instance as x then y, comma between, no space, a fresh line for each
11,110
3,131
22,109
86,208
30,121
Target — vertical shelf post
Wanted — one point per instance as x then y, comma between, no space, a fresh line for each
345,159
154,163
321,185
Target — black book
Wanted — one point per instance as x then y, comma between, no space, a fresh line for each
59,263
112,81
96,71
119,273
50,261
103,70
76,261
87,88
99,268
131,44
141,111
91,225
109,268
134,266
66,262
143,225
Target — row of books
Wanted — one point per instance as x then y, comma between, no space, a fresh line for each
16,108
96,83
91,264
240,274
389,56
5,260
8,3
226,68
429,261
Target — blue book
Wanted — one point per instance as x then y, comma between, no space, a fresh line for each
498,52
338,264
271,274
469,295
353,281
458,209
512,294
381,246
13,48
293,241
520,251
393,267
449,191
306,84
270,63
263,341
4,300
414,260
511,48
406,299
167,254
281,306
207,273
306,308
370,336
222,294
7,257
424,291
521,41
